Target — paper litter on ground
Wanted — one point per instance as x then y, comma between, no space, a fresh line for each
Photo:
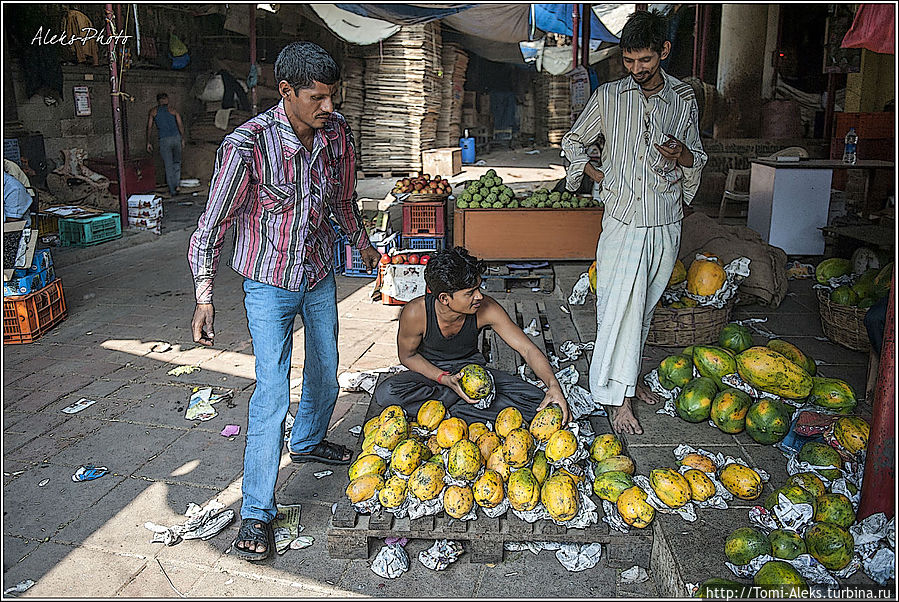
201,401
322,474
365,381
182,370
202,523
531,329
79,405
391,562
230,430
286,526
19,588
443,553
579,291
635,574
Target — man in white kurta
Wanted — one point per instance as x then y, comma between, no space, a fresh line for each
650,164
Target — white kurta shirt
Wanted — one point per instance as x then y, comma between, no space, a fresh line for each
632,191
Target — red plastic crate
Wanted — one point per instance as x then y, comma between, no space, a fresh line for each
424,218
27,318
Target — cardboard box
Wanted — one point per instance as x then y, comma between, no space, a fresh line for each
444,162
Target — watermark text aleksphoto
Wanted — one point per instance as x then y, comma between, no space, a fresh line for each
47,38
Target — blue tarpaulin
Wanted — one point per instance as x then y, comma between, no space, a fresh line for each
556,18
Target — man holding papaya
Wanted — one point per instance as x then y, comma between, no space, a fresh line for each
438,336
651,162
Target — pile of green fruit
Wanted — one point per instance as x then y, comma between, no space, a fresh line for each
486,193
557,200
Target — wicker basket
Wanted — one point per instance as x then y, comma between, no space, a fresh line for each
687,326
843,324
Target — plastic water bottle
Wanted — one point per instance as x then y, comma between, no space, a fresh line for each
849,150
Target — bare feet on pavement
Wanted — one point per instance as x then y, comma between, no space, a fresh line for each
645,394
623,419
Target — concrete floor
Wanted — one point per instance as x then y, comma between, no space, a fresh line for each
88,539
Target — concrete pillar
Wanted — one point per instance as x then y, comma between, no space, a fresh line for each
741,59
872,87
768,75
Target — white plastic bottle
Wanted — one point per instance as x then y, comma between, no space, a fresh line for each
850,155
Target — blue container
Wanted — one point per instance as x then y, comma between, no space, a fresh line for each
467,145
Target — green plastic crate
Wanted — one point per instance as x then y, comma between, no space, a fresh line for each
88,231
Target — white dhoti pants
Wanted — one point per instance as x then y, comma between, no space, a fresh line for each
633,266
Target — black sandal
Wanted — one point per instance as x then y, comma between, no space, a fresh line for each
326,453
250,532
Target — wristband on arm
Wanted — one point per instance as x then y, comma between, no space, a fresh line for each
442,374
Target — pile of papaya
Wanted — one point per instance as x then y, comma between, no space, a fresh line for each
779,367
867,286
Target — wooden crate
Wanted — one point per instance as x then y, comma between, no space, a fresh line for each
443,162
513,234
351,535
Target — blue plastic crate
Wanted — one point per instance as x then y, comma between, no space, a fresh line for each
88,231
353,258
339,261
423,243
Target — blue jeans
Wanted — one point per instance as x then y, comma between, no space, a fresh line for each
270,315
170,149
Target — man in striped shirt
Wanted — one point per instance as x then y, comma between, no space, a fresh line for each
277,179
650,164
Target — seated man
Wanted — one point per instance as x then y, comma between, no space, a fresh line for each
438,335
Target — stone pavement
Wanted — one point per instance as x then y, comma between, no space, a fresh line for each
128,325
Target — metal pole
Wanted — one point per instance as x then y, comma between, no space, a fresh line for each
117,118
585,38
574,34
696,20
828,108
252,9
879,484
706,20
127,147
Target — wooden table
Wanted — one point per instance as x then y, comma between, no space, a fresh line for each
789,200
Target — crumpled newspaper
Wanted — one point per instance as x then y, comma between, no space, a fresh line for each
572,556
810,569
532,516
875,545
579,291
483,404
531,330
736,381
182,370
797,269
736,271
418,508
791,516
202,523
497,510
571,350
577,558
753,324
612,517
580,401
847,280
571,462
686,512
19,588
794,466
364,381
391,561
443,553
635,574
369,506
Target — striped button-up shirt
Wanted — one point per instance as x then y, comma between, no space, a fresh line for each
632,191
278,195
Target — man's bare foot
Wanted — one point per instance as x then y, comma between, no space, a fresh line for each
623,419
644,393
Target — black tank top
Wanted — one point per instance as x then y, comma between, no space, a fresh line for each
436,347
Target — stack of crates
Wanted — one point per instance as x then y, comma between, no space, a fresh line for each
339,244
424,226
354,265
145,212
89,231
33,301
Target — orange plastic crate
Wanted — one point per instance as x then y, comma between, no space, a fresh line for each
27,318
424,218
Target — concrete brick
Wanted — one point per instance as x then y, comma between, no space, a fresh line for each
198,458
52,442
98,574
121,447
40,512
